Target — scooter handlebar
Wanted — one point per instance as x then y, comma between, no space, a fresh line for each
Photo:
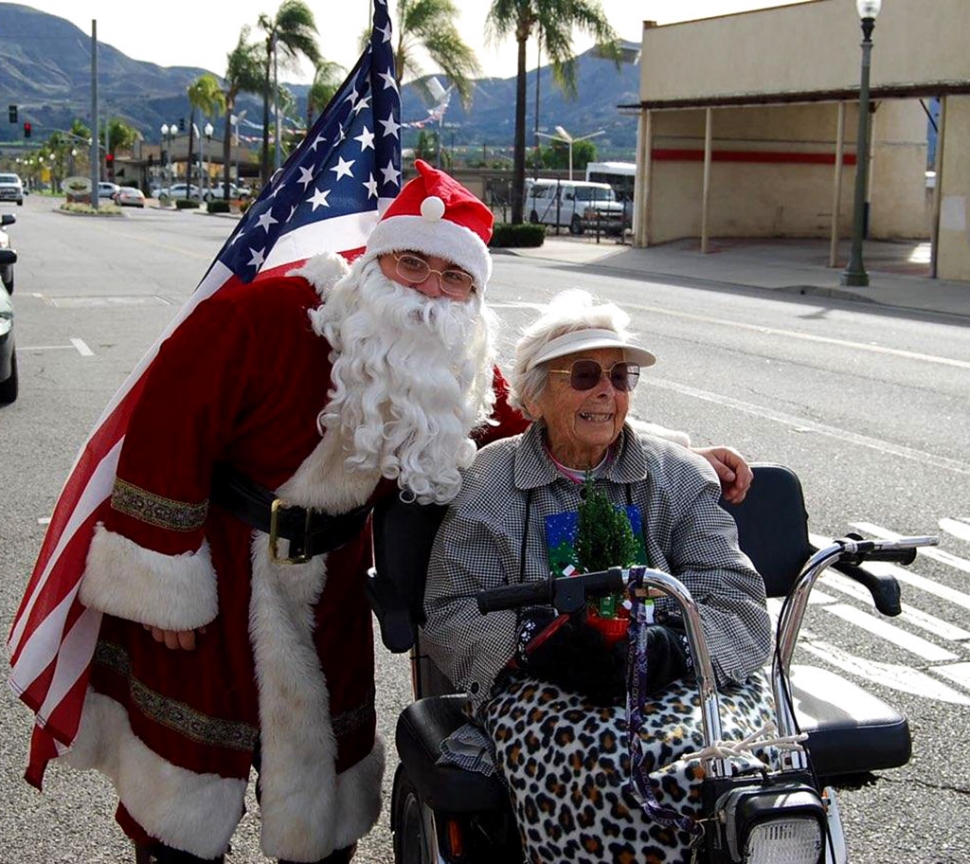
568,594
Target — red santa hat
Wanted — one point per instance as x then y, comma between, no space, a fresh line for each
436,215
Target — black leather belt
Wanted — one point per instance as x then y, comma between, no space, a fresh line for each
309,532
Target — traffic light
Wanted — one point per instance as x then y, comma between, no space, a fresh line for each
181,124
13,113
109,160
26,130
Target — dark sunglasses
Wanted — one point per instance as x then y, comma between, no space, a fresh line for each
586,374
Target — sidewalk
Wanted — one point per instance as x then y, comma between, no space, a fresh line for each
898,272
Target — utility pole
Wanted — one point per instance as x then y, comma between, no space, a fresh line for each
278,161
95,155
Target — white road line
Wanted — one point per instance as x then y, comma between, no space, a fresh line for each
910,614
907,577
816,598
959,528
807,337
929,551
46,347
891,633
902,678
44,520
78,345
959,673
803,424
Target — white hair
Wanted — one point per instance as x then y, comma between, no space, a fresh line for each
411,378
570,310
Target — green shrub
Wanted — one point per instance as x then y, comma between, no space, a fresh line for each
186,204
84,209
505,235
218,206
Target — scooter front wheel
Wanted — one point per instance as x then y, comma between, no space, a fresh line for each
411,832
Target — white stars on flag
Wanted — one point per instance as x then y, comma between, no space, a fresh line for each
390,125
370,186
366,139
390,173
306,177
319,198
265,220
389,81
342,168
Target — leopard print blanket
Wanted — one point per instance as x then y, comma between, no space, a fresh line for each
567,767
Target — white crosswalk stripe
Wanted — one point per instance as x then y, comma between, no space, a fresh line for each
940,669
930,552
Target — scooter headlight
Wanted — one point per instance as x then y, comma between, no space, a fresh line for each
767,825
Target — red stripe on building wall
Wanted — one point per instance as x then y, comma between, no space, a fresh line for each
762,156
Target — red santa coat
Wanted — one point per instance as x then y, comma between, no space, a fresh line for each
287,655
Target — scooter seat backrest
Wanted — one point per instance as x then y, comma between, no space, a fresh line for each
773,526
403,536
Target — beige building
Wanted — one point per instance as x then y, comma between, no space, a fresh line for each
748,126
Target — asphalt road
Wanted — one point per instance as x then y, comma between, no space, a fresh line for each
870,407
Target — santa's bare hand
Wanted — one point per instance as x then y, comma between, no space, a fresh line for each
732,470
175,639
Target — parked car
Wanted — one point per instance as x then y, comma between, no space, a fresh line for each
7,256
107,191
8,350
11,188
177,190
216,192
575,204
129,196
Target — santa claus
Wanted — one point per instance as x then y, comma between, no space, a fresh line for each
231,567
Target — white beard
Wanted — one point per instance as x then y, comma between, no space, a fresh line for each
412,376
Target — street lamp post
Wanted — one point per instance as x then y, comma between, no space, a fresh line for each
168,136
855,272
566,138
207,130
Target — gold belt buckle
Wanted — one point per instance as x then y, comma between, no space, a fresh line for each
274,510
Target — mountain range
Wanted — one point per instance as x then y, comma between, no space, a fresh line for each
45,69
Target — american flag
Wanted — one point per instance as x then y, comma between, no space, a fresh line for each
327,197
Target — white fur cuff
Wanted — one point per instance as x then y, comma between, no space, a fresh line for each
323,271
174,592
196,813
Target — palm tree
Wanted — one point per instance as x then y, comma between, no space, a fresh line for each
291,33
429,26
244,74
555,20
326,82
120,136
206,95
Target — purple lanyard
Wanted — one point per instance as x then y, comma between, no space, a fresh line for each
636,696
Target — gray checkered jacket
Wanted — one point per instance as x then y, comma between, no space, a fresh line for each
508,492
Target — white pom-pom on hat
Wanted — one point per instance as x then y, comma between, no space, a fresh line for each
433,208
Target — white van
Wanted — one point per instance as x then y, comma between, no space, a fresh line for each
575,204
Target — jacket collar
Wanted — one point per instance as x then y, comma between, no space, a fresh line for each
534,468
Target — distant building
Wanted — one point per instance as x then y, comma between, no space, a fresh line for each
748,126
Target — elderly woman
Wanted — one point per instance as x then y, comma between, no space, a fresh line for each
549,693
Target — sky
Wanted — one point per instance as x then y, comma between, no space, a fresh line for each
202,32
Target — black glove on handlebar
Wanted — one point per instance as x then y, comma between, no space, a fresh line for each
575,656
667,656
